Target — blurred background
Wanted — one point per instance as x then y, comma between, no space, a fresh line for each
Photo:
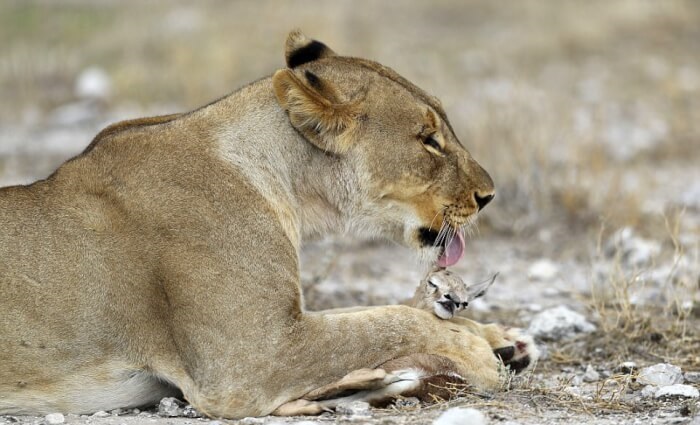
581,111
586,114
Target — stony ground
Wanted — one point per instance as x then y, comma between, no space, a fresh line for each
587,115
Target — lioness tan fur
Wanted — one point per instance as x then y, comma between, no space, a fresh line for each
164,259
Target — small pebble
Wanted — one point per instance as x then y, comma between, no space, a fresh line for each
252,421
535,308
573,391
54,419
576,381
692,377
649,391
100,414
190,412
591,375
543,270
353,408
93,82
461,416
170,407
407,403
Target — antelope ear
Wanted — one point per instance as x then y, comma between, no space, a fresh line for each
479,289
299,49
316,109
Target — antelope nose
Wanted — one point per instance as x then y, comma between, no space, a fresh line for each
482,201
452,297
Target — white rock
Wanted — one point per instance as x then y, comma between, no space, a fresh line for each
534,307
170,407
632,250
461,416
100,414
692,377
559,322
543,270
575,391
54,418
591,375
353,408
677,390
576,381
93,82
649,391
661,374
190,412
252,421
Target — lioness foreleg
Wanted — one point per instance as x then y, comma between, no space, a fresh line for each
318,349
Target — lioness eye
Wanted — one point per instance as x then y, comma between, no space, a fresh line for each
431,284
432,142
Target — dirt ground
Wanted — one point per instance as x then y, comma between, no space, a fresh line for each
586,114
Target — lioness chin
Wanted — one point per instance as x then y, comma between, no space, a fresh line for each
145,266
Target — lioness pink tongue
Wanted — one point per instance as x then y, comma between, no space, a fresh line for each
452,252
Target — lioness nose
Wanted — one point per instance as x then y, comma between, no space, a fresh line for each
482,201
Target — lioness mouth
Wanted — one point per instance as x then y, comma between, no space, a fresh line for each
452,250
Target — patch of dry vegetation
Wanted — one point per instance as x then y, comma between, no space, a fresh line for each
667,330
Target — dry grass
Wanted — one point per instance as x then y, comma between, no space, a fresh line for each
666,330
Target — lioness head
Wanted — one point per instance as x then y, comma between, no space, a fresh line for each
414,181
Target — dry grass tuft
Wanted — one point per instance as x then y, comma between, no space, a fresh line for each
663,331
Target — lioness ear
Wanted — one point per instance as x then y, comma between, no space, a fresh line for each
299,49
316,109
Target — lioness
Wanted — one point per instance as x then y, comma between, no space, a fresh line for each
146,266
446,294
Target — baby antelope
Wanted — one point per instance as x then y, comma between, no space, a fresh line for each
428,377
445,294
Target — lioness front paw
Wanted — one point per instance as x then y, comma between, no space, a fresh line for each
519,351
